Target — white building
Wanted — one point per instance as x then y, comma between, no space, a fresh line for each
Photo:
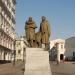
21,45
57,49
70,48
7,28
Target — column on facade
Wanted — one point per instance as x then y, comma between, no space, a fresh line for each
2,54
0,16
0,38
8,56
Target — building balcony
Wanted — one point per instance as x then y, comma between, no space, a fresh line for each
6,41
13,20
6,20
5,33
6,9
13,10
14,2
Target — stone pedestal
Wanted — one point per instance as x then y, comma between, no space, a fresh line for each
37,62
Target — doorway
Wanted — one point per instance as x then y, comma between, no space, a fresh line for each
61,56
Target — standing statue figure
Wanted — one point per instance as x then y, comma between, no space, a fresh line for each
30,31
45,32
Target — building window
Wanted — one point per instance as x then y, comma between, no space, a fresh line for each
62,47
19,43
24,49
73,54
19,51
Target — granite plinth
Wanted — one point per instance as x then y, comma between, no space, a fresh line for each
37,62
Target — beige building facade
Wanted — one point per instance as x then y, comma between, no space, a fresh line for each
61,49
7,28
21,45
57,49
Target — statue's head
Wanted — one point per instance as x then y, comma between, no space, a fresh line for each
43,18
30,18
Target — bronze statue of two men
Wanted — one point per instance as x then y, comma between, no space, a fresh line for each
39,38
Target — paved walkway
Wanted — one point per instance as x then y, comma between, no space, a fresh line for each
66,68
9,69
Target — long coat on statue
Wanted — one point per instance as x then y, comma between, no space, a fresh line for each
45,31
30,30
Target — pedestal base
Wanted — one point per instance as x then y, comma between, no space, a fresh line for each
37,62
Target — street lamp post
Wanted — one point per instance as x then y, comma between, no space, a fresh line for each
14,57
57,44
14,52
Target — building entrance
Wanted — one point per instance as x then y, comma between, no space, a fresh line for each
61,56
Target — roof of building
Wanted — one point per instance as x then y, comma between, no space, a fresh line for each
58,41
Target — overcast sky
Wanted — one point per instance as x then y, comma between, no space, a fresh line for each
59,13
